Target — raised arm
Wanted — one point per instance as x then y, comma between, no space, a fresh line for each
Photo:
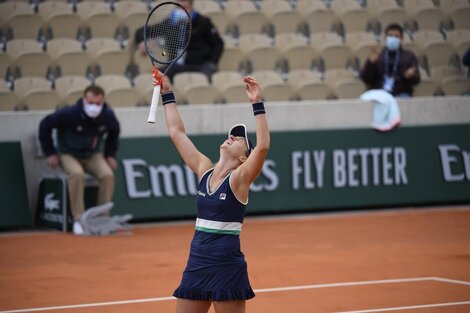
250,169
194,159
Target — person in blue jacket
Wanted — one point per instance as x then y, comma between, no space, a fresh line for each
87,141
216,271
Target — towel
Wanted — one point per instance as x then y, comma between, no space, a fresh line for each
386,114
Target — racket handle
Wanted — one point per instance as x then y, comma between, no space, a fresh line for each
153,106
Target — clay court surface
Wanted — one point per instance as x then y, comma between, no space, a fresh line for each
405,260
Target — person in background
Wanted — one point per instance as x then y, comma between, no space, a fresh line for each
204,50
87,141
392,68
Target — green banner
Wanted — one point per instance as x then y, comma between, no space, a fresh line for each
14,209
307,171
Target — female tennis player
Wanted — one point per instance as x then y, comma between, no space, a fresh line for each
216,271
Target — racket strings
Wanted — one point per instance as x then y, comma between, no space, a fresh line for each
167,32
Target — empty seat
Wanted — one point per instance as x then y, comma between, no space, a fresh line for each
143,85
273,86
5,62
71,88
282,17
24,25
331,51
351,16
449,6
184,80
459,18
28,58
60,20
142,62
245,18
456,85
98,20
194,88
8,99
132,15
386,12
308,85
122,97
259,53
427,87
422,14
440,53
108,56
68,57
108,82
315,16
201,95
460,40
438,73
348,88
332,76
230,86
35,93
295,51
361,43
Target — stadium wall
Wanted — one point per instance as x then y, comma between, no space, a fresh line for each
295,126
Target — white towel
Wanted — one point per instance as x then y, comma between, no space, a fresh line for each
386,114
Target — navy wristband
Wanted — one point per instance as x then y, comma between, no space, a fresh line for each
168,97
258,108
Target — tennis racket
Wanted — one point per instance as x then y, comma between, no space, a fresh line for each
167,32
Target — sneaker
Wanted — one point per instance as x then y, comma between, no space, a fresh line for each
77,228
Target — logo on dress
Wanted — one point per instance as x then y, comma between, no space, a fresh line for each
202,194
222,196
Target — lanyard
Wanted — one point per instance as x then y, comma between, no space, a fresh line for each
395,62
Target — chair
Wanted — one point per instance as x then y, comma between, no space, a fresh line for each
68,57
331,51
460,40
35,93
456,85
295,51
5,65
360,43
24,25
142,62
8,99
449,6
122,97
8,8
108,57
426,88
459,18
202,95
230,86
273,86
98,20
385,12
281,16
349,88
440,53
60,20
332,76
184,80
207,6
438,73
308,85
245,18
28,58
131,15
143,85
109,82
259,53
220,20
70,88
316,17
351,16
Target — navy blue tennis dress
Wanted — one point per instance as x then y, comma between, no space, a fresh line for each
216,268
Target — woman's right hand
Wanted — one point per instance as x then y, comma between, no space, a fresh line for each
252,88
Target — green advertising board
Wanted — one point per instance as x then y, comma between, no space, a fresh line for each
307,171
14,209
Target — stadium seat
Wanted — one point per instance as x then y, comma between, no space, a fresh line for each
438,73
449,6
440,53
245,17
5,63
230,86
68,57
348,88
427,87
60,20
70,88
98,20
28,58
456,85
184,80
108,82
108,56
333,75
232,59
194,88
384,13
295,51
259,53
316,17
459,18
143,85
23,25
351,16
142,62
202,95
422,14
307,85
460,40
132,15
331,51
282,17
273,86
8,99
35,93
122,97
361,43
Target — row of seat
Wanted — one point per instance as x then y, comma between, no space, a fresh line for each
254,52
34,93
120,19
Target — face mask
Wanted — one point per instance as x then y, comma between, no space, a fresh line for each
92,110
392,43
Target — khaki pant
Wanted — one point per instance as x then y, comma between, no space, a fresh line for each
75,168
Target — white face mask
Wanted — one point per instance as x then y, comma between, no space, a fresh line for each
392,43
92,110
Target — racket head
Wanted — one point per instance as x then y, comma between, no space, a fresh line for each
167,32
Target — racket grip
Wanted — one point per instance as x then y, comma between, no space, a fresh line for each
154,104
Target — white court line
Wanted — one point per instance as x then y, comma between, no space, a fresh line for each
412,307
290,288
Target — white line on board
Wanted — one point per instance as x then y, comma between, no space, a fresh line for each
289,288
